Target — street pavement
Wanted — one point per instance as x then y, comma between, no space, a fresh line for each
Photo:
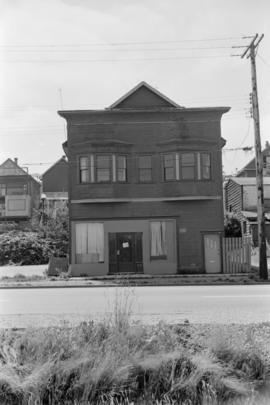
198,304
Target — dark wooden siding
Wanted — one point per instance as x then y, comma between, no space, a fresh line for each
55,179
151,133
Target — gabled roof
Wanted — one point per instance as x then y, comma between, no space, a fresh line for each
11,168
61,160
251,165
126,100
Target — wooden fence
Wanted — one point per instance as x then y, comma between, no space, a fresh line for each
236,255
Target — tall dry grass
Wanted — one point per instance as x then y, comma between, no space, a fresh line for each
120,362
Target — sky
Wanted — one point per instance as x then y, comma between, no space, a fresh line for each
85,54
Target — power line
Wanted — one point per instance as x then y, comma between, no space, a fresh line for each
114,60
125,43
120,50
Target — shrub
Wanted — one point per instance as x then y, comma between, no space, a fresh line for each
24,248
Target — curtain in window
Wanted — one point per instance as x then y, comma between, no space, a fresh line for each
89,242
158,239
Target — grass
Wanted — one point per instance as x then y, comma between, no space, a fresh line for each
119,362
21,277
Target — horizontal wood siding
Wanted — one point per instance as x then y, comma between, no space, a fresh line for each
233,196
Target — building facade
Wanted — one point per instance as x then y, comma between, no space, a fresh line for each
19,192
145,186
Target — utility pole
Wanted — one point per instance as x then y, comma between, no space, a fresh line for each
252,48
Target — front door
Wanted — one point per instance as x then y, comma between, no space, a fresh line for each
125,252
212,253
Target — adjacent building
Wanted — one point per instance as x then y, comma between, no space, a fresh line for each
145,186
55,187
19,192
250,169
240,195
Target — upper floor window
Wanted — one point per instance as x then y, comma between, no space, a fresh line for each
188,166
103,168
84,170
121,168
205,166
169,166
145,168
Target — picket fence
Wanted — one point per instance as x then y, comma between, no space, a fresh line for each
236,255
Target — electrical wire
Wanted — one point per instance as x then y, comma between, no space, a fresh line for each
128,43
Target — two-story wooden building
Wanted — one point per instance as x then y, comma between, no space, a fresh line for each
19,192
145,186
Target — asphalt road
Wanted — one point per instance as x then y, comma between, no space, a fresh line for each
198,304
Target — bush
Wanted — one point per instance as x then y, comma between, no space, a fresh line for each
232,227
24,248
35,246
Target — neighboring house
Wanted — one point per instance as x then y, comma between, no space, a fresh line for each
250,169
19,192
240,195
145,190
55,187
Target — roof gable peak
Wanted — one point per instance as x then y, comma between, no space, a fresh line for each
143,96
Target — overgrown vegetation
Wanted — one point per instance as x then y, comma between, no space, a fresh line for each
232,226
116,362
37,243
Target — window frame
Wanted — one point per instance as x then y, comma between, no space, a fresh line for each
195,166
96,156
87,169
122,168
145,168
202,178
165,255
173,154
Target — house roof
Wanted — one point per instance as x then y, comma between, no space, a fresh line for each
249,181
136,89
251,165
62,159
11,168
